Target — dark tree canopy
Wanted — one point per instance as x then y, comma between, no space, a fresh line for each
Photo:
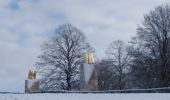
151,64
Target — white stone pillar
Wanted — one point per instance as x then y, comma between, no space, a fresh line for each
89,76
32,86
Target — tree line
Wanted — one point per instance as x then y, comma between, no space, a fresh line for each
143,62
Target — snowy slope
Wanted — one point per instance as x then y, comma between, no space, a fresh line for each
151,96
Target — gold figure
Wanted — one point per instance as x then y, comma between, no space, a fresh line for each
32,74
89,58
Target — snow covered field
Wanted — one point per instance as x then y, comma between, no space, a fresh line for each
151,96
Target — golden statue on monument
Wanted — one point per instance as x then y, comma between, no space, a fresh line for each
89,58
32,75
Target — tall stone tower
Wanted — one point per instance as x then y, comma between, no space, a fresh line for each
89,76
32,84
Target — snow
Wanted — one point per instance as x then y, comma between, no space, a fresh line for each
66,96
88,70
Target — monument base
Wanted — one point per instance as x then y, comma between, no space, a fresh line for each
32,86
89,77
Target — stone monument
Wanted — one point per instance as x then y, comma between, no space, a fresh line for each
32,84
89,77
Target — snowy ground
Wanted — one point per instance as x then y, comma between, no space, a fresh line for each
151,96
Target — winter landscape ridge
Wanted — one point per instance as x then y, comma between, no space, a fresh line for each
66,96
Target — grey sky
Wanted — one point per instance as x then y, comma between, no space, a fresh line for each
25,24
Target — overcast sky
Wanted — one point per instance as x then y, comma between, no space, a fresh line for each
25,24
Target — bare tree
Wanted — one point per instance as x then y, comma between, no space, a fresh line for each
107,78
143,70
154,46
62,55
119,56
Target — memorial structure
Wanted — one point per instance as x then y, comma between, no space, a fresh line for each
32,84
89,77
